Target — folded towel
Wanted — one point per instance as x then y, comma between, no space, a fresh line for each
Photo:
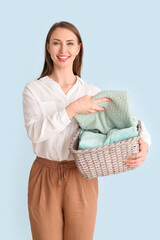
118,113
94,139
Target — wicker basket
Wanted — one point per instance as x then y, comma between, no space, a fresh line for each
107,160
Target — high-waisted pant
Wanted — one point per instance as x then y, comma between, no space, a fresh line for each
62,204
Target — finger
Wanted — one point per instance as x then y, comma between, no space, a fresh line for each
140,145
108,99
136,161
140,154
97,109
137,155
92,111
102,100
135,164
139,162
101,109
143,146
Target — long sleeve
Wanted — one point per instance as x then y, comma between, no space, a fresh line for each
39,127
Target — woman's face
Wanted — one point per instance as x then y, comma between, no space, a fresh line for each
63,47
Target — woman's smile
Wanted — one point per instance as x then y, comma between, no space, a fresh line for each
62,58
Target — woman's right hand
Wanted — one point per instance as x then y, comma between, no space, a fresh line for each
86,105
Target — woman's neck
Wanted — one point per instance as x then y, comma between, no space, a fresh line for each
63,78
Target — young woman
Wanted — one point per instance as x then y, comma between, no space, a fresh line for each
62,204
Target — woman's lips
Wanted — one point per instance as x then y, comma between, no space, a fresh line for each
62,59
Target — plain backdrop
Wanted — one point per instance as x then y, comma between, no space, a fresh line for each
121,51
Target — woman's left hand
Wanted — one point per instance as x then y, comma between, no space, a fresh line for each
140,157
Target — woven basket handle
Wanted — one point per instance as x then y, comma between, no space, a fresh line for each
75,134
139,127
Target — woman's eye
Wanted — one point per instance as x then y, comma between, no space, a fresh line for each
55,43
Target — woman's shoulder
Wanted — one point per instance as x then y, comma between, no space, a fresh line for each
34,84
90,86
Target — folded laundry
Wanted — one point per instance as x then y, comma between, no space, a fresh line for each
118,113
94,139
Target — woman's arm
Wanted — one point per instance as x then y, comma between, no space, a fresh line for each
39,127
137,159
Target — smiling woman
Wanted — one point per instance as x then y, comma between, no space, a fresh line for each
62,204
63,53
62,49
57,210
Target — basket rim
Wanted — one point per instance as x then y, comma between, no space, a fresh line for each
106,147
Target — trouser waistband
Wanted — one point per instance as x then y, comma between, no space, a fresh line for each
60,165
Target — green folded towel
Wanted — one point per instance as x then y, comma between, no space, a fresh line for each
118,113
93,139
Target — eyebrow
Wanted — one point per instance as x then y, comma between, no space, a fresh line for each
60,40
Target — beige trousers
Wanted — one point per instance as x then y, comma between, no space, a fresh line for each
62,204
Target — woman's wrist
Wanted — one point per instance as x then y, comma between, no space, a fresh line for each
70,110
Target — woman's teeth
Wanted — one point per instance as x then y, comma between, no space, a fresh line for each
63,57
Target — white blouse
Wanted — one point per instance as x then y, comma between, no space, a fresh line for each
46,120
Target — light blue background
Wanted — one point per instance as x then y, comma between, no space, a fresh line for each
121,51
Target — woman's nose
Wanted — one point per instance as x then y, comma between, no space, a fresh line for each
63,48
